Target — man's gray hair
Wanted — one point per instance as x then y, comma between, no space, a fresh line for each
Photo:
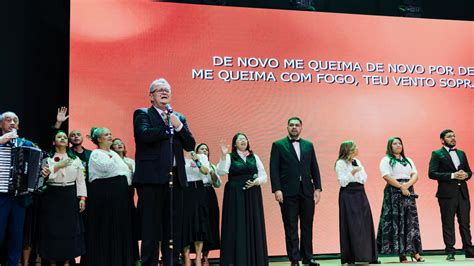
161,82
7,113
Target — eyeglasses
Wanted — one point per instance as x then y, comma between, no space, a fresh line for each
162,90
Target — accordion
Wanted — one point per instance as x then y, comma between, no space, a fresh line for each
20,170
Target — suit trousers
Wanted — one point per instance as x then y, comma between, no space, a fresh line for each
154,212
12,217
293,209
460,207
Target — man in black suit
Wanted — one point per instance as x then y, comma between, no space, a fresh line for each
449,166
156,130
296,183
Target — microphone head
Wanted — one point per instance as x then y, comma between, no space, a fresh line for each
13,141
169,108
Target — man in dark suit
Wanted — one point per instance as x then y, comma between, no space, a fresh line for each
160,137
296,183
449,166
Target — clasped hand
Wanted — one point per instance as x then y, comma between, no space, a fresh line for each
460,175
251,183
404,189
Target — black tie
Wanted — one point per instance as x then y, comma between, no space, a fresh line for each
294,140
452,149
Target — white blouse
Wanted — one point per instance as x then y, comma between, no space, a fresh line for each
106,164
224,166
344,173
398,171
130,161
192,171
72,173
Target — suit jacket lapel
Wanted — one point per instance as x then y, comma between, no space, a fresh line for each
155,117
448,157
292,149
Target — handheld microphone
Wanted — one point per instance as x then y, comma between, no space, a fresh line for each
354,163
169,109
253,178
196,160
13,141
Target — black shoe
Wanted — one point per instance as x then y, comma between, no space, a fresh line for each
450,257
470,253
311,262
375,262
403,259
295,263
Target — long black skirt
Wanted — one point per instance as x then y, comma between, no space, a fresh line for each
135,224
213,241
356,227
244,241
30,228
399,230
61,231
195,214
109,225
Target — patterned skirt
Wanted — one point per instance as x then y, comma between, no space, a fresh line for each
399,230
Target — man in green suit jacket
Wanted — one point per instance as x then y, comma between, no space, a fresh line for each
450,167
296,183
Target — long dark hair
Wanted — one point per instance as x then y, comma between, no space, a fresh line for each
69,152
203,144
390,155
234,141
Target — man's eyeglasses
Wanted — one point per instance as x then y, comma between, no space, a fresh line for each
162,90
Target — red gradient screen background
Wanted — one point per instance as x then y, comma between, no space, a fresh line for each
119,47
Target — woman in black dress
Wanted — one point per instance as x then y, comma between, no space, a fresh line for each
244,239
119,147
356,227
399,230
211,181
109,231
196,211
61,231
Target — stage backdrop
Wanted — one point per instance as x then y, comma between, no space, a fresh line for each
364,78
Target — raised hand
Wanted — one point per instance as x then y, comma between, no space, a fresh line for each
61,116
224,148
